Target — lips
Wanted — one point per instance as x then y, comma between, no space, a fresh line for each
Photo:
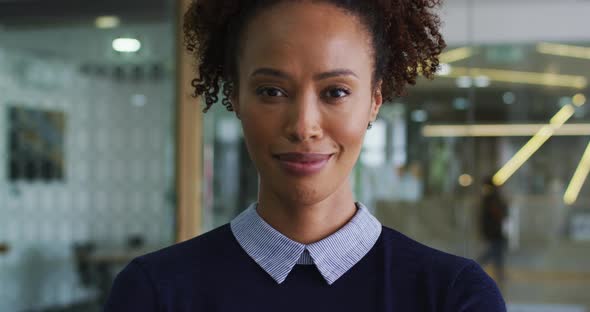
302,164
303,157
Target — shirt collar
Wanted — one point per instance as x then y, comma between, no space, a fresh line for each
333,256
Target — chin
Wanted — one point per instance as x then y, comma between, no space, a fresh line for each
304,193
302,190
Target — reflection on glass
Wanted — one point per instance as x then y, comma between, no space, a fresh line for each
525,124
86,150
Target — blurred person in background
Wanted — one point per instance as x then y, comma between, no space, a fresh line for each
493,212
306,79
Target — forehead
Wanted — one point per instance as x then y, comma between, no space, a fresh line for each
313,34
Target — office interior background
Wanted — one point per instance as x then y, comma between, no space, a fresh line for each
104,155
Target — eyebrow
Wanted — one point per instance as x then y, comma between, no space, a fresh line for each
321,76
334,73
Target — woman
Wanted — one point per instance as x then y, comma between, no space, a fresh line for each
493,213
306,79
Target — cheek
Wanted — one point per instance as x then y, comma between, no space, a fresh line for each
255,131
349,129
348,132
355,138
258,131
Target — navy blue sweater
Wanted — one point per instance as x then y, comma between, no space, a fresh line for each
212,273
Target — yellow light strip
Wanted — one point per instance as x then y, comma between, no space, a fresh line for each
533,145
562,116
109,21
522,155
455,55
520,77
499,130
564,50
573,190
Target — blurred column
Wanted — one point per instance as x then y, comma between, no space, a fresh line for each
189,141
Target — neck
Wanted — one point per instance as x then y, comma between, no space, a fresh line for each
303,222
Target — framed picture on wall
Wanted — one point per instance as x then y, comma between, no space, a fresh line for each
36,144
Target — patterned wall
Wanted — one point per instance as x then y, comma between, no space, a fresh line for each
118,149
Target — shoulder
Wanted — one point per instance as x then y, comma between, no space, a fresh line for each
190,254
141,284
455,282
406,249
473,290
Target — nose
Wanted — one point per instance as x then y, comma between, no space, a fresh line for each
303,119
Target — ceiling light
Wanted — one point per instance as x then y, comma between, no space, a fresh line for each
579,99
443,69
464,82
126,45
500,130
564,50
522,155
573,190
419,115
465,180
138,100
482,81
562,116
460,103
519,77
456,55
509,98
533,145
105,22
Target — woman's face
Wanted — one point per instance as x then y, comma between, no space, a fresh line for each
305,97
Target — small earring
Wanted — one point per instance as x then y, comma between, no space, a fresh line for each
370,125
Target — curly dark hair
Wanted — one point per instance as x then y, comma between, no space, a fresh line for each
406,41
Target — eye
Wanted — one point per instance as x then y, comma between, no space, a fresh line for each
270,92
335,93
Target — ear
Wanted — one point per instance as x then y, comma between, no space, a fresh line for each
376,102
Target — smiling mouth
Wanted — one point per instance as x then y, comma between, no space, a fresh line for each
303,157
302,164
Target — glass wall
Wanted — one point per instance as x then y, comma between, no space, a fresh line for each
509,107
86,147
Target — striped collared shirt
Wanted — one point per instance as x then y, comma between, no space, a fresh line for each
333,256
